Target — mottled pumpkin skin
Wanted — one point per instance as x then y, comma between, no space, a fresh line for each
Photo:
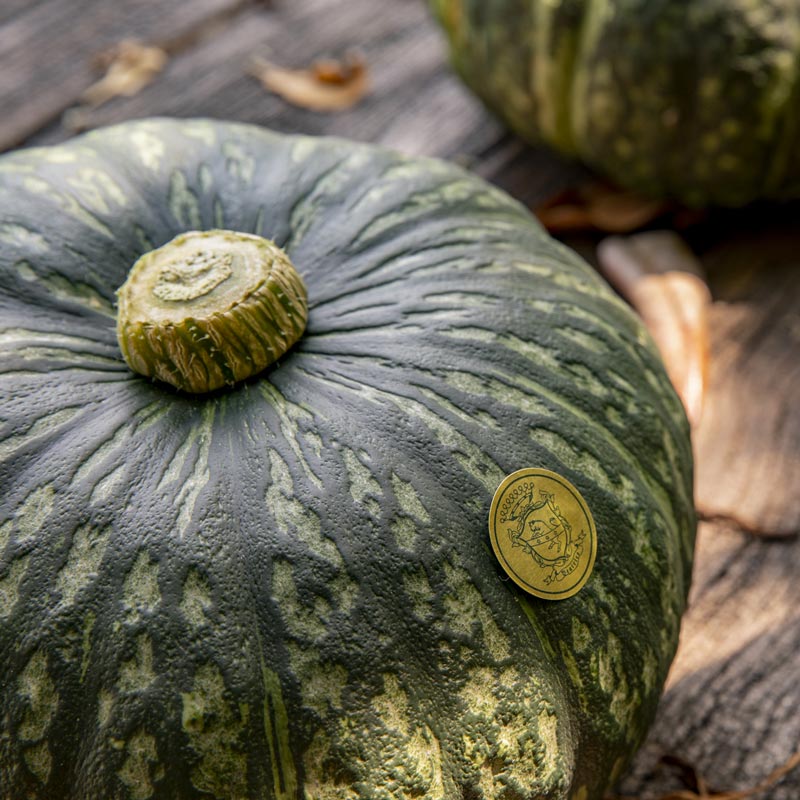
693,99
286,589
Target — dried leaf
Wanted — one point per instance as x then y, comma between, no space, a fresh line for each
601,207
663,280
130,66
327,85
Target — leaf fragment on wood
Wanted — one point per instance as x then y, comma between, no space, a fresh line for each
327,85
130,66
599,206
663,280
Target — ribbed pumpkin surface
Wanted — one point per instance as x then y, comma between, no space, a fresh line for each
693,99
286,589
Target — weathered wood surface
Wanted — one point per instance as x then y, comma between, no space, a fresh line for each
732,706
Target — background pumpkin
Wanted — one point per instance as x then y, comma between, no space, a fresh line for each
287,587
694,100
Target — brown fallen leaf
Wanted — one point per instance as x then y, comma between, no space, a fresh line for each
130,66
663,280
327,85
599,206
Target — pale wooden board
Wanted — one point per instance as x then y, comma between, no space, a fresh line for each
732,705
748,443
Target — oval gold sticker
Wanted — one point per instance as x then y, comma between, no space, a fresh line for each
543,533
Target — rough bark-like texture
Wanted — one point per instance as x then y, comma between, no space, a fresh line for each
730,708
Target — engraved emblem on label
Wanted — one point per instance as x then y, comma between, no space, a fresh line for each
543,533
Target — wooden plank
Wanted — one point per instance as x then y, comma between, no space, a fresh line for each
416,104
47,49
730,709
748,443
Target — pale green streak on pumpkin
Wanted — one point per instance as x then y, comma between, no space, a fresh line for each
147,146
364,489
140,590
417,205
86,641
321,683
535,623
588,382
206,179
38,760
108,486
60,287
510,736
5,534
37,344
418,588
31,515
405,533
489,386
464,606
474,461
290,416
574,674
614,416
203,130
27,240
595,19
550,69
533,351
94,462
276,727
411,754
608,671
98,190
182,202
141,756
305,620
41,428
293,517
105,707
581,635
408,498
215,732
239,164
9,585
192,485
482,418
137,673
403,528
37,689
196,599
319,784
219,215
581,793
69,205
327,185
83,561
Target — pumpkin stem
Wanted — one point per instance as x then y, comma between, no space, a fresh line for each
210,308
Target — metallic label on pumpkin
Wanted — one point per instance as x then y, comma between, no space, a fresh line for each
543,533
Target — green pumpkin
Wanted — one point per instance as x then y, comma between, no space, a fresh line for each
698,101
285,587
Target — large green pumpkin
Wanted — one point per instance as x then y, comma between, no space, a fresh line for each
693,99
286,589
